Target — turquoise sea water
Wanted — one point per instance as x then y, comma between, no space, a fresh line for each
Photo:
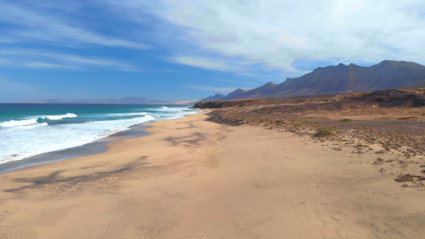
31,129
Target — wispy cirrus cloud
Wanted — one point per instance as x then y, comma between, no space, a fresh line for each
44,65
217,64
206,63
39,59
30,26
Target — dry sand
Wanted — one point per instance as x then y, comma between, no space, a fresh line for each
197,179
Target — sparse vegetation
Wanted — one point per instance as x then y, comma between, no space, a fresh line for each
326,132
253,120
308,122
268,120
295,118
279,123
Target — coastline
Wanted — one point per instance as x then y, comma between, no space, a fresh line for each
193,178
96,147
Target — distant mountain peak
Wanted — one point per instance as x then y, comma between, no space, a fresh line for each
270,84
397,62
402,64
384,62
214,97
239,90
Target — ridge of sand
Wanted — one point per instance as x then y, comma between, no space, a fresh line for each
197,179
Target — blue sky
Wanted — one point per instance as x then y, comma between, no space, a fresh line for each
187,50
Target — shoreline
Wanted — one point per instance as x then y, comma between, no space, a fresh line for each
193,178
96,147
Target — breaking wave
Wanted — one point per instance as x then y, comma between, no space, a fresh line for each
35,120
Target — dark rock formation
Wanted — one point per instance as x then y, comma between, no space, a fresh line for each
391,98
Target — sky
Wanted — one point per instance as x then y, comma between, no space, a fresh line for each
187,49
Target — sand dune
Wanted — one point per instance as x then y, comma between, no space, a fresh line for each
197,179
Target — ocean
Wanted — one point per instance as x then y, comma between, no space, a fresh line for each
31,129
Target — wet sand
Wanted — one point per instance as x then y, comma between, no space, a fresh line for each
197,179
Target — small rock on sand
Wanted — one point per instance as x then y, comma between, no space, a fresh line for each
405,178
380,152
378,161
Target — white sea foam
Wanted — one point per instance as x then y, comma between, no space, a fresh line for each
32,126
173,109
129,114
26,141
14,123
59,117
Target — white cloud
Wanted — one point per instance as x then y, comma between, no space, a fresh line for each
211,88
206,63
38,59
39,64
33,26
276,33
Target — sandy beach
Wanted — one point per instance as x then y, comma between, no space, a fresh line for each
198,179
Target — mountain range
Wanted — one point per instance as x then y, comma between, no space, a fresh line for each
338,79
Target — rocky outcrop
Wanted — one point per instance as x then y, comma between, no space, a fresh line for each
393,97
